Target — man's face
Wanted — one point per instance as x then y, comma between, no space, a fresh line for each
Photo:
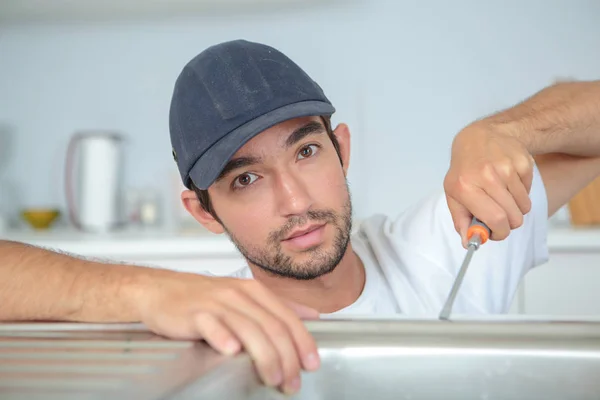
284,200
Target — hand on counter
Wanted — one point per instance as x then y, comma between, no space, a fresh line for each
231,314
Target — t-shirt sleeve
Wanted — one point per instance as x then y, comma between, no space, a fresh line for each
427,232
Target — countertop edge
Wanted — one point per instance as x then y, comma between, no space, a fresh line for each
206,244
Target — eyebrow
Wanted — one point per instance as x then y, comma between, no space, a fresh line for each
310,128
236,163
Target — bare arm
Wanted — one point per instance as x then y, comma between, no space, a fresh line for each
560,127
564,176
562,118
37,284
491,168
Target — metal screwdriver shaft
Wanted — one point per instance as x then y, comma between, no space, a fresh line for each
478,234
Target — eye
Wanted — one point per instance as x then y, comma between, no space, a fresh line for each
308,151
244,180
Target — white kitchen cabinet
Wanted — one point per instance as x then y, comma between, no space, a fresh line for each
568,285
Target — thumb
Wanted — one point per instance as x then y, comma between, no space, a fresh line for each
461,218
302,311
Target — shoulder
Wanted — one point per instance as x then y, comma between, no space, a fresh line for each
417,225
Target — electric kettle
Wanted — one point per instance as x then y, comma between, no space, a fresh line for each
93,180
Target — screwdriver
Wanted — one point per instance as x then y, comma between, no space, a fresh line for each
477,234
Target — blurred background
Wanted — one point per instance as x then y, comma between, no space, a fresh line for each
85,89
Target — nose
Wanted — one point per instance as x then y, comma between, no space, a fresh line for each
293,197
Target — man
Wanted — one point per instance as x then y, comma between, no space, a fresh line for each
252,139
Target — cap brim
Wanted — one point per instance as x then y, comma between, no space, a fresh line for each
208,167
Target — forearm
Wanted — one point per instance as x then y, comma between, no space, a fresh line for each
37,284
563,118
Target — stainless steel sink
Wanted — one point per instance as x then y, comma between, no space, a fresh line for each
365,359
421,360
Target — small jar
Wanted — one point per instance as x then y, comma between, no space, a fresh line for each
149,208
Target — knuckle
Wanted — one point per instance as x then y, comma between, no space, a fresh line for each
229,294
458,185
525,163
450,184
462,184
506,170
516,221
450,180
447,185
207,326
486,165
277,329
207,320
498,219
202,318
488,171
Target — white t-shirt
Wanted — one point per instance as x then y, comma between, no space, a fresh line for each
412,261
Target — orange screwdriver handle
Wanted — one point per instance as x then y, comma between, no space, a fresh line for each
478,227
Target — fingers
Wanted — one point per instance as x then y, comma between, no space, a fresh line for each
216,334
304,343
498,192
267,328
517,175
523,166
520,193
480,204
461,217
231,314
256,343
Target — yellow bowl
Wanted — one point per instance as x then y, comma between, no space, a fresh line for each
40,218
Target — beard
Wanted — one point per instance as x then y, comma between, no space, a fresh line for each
272,259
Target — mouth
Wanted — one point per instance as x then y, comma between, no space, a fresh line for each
305,231
305,239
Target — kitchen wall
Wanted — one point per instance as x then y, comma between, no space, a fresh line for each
405,75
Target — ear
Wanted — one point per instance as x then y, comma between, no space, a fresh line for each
192,205
342,133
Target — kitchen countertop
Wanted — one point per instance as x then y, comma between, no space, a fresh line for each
199,242
566,238
383,357
133,242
